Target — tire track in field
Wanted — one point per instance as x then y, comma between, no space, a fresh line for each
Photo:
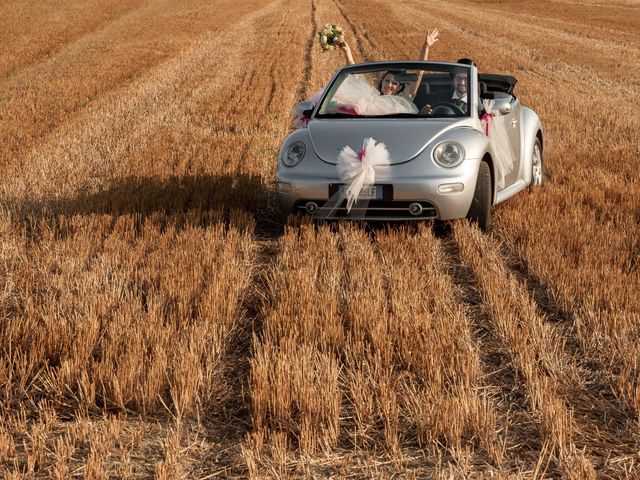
356,33
593,402
303,87
267,232
593,424
430,308
272,74
237,411
272,89
532,348
511,401
269,221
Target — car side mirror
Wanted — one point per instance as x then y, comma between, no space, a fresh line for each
306,108
502,101
503,105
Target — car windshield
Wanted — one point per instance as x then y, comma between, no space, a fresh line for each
434,91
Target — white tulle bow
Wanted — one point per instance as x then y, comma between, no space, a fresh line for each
357,170
497,130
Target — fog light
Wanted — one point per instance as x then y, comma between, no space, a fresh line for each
284,187
415,209
311,207
451,188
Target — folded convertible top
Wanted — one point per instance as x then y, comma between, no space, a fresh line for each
498,83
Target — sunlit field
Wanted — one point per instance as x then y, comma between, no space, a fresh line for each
159,319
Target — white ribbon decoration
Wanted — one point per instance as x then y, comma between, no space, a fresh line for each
357,170
498,133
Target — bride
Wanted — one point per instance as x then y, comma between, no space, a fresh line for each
388,84
356,96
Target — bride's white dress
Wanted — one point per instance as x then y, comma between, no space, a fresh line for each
357,97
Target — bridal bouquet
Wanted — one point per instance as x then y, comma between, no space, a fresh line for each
329,34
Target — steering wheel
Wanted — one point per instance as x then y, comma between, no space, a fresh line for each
446,108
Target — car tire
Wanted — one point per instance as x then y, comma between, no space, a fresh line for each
537,173
480,210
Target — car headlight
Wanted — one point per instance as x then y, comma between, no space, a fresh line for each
448,154
294,154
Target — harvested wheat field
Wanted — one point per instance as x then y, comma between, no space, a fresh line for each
158,319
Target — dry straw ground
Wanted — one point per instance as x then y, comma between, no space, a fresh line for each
156,320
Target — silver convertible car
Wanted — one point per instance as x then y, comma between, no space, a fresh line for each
455,143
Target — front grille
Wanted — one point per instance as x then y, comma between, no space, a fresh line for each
375,209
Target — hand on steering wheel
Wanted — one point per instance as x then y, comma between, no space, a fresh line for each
443,108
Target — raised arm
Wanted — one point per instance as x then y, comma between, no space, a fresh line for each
344,46
430,38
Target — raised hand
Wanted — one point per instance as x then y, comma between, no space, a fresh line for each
344,46
430,38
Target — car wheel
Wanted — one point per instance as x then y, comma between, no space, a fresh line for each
480,210
537,174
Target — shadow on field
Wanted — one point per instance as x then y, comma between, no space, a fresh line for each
148,195
203,197
441,229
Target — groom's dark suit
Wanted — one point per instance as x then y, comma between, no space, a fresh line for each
446,96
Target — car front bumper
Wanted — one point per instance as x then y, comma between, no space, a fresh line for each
415,181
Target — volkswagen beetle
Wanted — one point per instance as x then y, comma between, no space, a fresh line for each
444,161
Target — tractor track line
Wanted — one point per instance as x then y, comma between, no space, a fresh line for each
494,356
354,29
617,419
572,396
267,231
303,88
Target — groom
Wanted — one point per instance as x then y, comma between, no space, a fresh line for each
460,83
457,96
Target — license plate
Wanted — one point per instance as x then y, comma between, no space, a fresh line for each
372,192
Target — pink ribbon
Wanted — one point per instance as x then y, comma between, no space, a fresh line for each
486,118
347,110
362,153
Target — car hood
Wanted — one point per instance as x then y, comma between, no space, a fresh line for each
404,138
